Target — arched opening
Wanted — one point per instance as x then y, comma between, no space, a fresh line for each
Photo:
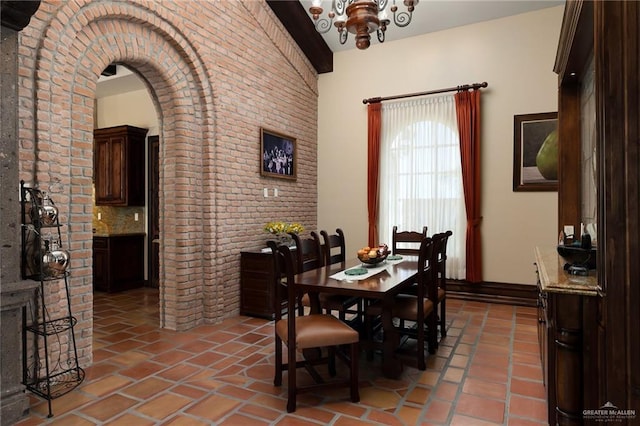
126,237
83,42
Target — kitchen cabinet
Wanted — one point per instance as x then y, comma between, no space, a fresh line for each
118,262
119,169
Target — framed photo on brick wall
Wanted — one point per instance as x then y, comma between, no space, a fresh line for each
278,155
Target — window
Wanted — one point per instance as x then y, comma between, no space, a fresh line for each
420,173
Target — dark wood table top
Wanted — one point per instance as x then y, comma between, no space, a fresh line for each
386,282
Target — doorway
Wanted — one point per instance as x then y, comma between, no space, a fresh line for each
123,99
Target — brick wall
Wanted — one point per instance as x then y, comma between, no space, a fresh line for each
218,71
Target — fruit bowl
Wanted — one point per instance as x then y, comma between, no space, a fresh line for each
373,256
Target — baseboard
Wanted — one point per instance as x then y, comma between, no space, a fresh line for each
491,292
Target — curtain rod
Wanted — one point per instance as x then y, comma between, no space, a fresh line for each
474,86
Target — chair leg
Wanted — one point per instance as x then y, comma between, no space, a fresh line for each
355,353
291,399
331,363
422,365
277,380
368,330
432,332
443,318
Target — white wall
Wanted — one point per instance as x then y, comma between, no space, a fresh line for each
134,108
515,55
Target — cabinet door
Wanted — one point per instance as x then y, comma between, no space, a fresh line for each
101,278
110,179
119,166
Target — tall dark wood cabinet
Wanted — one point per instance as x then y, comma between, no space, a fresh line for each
600,46
119,169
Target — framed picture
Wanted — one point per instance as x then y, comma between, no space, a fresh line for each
278,155
535,152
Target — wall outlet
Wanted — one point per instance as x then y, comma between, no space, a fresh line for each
99,216
275,192
265,192
136,217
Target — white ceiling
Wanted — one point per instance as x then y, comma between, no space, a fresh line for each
437,15
429,16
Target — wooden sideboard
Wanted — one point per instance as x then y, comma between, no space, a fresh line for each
256,278
569,315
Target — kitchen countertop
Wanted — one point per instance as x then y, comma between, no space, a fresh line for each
553,277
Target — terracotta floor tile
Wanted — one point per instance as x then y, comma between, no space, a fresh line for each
147,387
483,408
531,372
260,412
109,407
223,374
531,408
129,420
182,420
460,420
106,385
142,370
419,395
213,407
163,406
483,388
438,411
447,391
533,389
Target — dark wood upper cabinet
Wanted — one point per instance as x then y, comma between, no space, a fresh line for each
119,166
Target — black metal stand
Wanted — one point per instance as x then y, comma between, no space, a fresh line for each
49,371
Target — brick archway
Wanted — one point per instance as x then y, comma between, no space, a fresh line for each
78,42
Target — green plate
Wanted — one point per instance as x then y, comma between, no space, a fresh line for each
396,257
355,271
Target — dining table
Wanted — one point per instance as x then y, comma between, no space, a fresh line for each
380,283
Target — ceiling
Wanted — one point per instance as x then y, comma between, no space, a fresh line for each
437,15
429,16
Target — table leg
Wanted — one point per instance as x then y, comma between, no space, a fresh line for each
391,365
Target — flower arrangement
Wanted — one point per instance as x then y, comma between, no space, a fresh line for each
279,227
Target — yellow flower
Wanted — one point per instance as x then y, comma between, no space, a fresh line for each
279,227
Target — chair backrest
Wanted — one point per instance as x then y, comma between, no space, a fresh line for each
441,239
407,242
334,247
309,253
426,270
283,288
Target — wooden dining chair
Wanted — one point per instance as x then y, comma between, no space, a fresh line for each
440,247
406,242
334,248
309,254
302,332
416,313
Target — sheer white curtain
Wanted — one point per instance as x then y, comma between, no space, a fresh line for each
420,173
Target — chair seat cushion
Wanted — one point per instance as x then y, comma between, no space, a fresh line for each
404,307
316,331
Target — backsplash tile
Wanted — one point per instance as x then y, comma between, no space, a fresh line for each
118,220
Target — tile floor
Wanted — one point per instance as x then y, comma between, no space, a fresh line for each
486,372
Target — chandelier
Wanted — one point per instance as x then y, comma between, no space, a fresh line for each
360,17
